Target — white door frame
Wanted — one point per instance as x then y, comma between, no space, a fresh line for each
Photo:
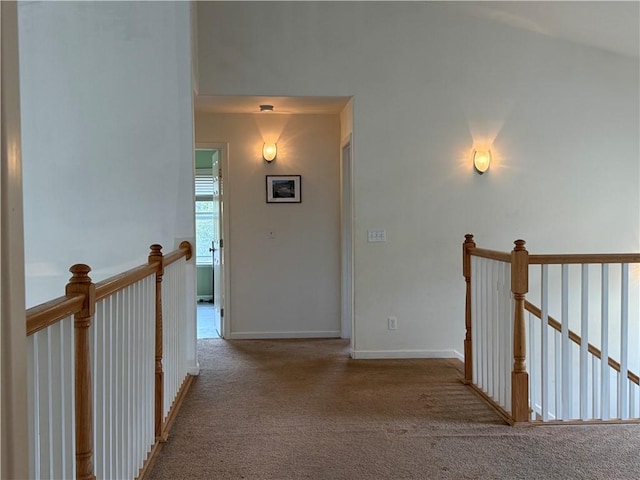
223,147
14,444
347,326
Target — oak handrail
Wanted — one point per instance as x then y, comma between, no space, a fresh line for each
559,259
575,338
490,254
118,282
184,250
584,258
50,313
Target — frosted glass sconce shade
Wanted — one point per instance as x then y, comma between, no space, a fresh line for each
481,160
269,151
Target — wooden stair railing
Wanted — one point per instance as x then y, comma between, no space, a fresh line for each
80,301
520,260
575,338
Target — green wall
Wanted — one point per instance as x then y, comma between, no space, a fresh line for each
204,158
205,282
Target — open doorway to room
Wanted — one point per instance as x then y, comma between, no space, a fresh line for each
209,221
290,259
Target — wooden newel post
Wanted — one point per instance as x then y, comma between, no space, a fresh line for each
466,271
519,375
156,257
80,282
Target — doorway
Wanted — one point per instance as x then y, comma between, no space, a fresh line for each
210,227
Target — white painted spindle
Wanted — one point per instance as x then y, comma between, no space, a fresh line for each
544,339
124,358
584,353
557,350
533,365
566,347
623,400
604,343
50,400
475,344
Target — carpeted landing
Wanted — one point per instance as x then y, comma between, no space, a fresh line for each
302,409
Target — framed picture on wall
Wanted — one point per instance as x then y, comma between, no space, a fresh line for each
284,188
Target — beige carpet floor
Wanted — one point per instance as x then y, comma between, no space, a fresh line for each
302,409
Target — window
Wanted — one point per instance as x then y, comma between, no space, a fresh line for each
206,215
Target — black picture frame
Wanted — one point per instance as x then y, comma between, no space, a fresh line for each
284,188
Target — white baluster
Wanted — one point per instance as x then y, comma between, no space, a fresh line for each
475,345
491,328
584,353
484,326
32,406
604,347
595,390
558,373
533,371
566,347
507,327
623,411
544,342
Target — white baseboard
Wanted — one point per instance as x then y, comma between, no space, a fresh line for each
267,335
389,354
458,355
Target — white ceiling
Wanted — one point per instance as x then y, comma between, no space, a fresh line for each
611,26
608,25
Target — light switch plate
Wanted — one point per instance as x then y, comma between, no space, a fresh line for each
376,235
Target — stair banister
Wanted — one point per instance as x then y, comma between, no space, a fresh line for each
519,375
155,257
80,283
466,271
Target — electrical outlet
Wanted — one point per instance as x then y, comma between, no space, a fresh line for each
392,323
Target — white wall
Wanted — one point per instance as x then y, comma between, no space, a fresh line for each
107,134
288,285
429,83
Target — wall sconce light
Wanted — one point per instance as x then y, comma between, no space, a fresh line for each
269,152
481,160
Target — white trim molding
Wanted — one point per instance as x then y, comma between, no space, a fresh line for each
275,335
14,436
389,354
